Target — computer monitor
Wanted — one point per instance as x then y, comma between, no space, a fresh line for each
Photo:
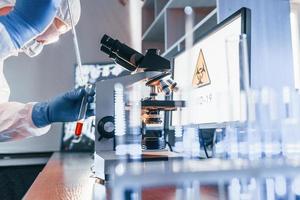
210,76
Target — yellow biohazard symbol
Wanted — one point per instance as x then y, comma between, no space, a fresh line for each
201,76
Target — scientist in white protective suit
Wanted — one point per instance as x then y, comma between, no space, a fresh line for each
25,27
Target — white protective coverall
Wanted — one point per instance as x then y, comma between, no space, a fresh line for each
15,118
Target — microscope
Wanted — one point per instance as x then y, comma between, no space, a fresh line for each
154,71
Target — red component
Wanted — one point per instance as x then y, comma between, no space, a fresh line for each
78,128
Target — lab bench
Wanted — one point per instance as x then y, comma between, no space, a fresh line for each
69,176
65,176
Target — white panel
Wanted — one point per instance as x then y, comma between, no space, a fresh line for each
218,101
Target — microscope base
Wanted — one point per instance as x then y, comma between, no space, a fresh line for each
105,160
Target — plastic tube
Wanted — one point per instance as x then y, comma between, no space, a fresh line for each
83,108
84,104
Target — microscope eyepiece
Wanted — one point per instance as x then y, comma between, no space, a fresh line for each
104,39
120,51
107,51
128,56
110,43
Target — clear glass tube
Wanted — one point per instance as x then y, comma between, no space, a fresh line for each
270,189
191,146
255,149
290,139
189,41
295,36
233,133
242,118
178,139
134,130
177,122
269,122
234,189
219,146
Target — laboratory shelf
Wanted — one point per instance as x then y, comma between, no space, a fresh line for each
152,12
148,14
163,23
199,30
156,30
192,3
160,5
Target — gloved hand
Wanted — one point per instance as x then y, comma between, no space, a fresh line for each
63,108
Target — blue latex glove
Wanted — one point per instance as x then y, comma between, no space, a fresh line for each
28,19
63,108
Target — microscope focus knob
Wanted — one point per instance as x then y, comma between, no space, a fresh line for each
106,127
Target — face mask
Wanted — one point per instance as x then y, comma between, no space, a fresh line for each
33,48
51,35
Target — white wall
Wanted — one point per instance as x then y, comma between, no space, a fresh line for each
52,72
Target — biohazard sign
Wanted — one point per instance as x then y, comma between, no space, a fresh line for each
201,75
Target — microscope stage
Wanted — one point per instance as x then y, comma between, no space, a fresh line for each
166,105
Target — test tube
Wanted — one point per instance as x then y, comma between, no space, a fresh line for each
255,148
269,122
177,121
84,105
83,108
190,139
134,134
234,190
280,185
270,189
219,142
189,23
232,43
290,123
295,186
